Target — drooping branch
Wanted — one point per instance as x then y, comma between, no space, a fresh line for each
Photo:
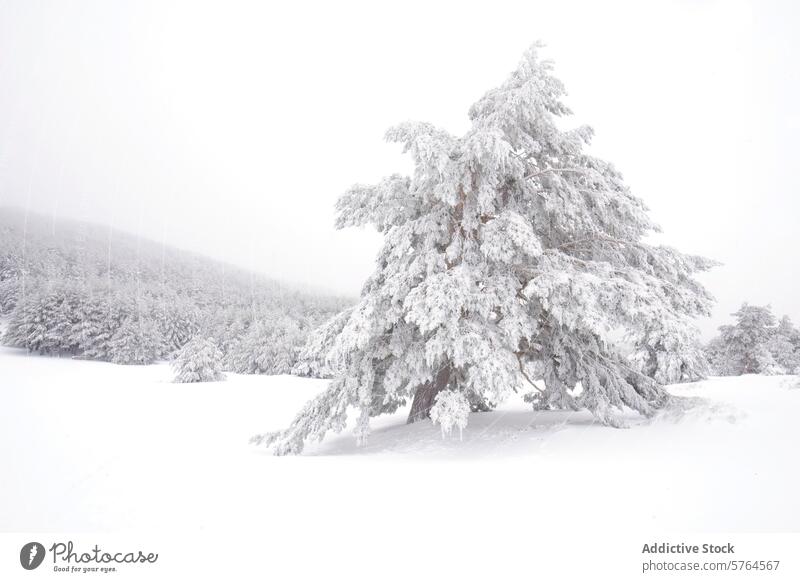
524,373
557,170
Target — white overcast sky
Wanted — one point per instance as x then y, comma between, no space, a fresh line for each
230,128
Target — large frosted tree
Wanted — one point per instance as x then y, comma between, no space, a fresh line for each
510,257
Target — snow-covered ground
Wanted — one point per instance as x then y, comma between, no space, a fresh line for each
96,447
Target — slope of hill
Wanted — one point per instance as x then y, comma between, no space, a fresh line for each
74,288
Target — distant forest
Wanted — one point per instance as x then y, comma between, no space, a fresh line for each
78,289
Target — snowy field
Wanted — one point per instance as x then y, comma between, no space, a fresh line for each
96,446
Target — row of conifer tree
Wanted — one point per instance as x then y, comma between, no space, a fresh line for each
76,291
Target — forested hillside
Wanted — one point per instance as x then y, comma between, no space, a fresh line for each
79,289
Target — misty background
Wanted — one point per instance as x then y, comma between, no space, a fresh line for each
230,128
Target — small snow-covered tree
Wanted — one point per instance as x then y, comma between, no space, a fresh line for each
755,344
64,318
10,278
135,342
104,314
785,346
720,360
39,319
269,346
744,347
670,354
510,255
787,359
177,321
9,293
787,329
199,360
19,328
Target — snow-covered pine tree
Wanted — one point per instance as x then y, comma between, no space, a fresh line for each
785,346
509,255
38,319
199,360
135,342
177,320
9,291
27,324
744,347
269,346
10,276
670,354
787,359
104,315
62,320
719,358
787,329
87,326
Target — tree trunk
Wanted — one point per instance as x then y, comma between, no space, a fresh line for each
425,396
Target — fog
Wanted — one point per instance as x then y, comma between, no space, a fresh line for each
230,128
